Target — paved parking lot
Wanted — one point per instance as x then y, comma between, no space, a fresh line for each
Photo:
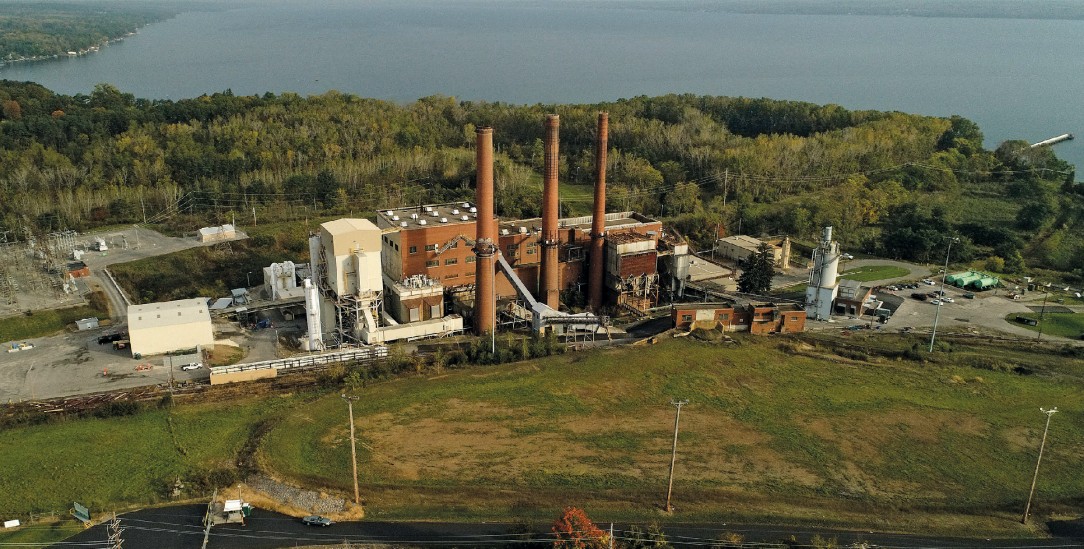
74,364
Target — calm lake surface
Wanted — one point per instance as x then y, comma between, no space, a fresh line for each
1018,79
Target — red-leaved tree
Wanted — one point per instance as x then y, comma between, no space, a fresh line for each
575,531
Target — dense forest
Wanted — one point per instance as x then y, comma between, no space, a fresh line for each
38,30
891,183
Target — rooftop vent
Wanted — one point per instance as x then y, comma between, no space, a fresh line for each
389,212
414,216
434,213
444,220
395,218
404,224
421,222
473,210
504,232
428,208
466,204
523,230
455,211
464,218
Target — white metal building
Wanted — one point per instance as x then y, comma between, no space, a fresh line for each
157,328
220,233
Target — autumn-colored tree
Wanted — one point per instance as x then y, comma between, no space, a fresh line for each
11,109
575,531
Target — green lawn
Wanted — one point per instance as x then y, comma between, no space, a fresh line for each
1069,325
874,272
41,535
43,323
578,198
768,431
107,464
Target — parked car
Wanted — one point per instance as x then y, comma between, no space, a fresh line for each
969,295
846,256
192,366
919,296
935,302
928,282
947,299
316,520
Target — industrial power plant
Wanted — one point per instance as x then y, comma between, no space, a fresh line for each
434,270
420,271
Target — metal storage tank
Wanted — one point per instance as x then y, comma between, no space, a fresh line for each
968,279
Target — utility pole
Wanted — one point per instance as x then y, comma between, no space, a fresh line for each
1042,312
254,216
208,520
944,274
726,185
673,454
353,446
1027,508
144,208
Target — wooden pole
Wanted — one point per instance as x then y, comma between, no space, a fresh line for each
673,454
353,446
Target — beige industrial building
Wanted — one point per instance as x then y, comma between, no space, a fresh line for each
157,328
742,247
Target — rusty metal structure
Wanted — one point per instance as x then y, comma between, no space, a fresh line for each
551,269
485,247
598,221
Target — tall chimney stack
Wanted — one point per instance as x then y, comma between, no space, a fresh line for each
485,301
550,268
598,222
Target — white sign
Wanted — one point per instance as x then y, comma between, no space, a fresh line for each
11,523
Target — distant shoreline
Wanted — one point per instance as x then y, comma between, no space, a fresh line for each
68,55
1053,10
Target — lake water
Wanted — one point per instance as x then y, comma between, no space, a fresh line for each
1018,79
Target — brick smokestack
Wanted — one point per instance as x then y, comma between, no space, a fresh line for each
598,222
550,268
485,302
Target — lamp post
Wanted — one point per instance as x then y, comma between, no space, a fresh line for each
248,278
944,274
353,446
1027,508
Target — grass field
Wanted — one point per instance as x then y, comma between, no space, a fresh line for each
43,323
874,272
776,430
771,430
112,463
1069,325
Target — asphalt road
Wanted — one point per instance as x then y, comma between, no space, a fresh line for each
179,527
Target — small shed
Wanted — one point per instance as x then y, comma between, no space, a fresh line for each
87,323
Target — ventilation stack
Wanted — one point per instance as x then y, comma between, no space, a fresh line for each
485,297
314,341
550,268
598,222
